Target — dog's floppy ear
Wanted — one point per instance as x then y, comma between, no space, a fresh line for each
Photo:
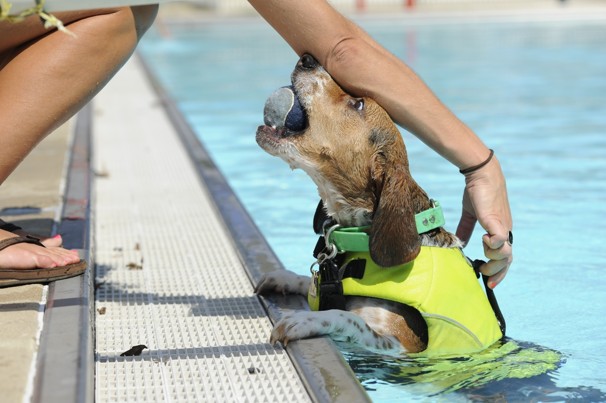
393,233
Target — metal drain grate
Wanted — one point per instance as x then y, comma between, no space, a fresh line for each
167,274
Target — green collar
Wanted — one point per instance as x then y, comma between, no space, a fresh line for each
355,239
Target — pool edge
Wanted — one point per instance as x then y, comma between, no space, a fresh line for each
67,336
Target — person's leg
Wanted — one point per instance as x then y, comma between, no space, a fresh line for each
48,78
45,78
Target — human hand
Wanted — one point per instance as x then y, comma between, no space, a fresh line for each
485,201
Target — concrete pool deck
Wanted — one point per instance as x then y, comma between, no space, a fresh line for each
37,197
33,197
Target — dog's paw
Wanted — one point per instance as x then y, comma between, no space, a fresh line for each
284,282
298,325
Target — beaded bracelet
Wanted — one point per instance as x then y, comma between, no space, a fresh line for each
476,167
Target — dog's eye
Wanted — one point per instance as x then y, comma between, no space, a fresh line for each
357,104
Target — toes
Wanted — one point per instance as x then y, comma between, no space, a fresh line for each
279,332
284,282
292,328
270,284
64,256
45,261
265,285
55,241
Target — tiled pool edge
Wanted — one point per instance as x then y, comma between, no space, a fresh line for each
324,371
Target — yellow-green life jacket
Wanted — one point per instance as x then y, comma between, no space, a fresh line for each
442,285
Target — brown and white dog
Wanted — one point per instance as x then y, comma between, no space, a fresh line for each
355,154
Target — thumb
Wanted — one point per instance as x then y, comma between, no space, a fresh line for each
496,234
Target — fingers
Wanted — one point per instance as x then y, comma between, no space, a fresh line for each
486,198
495,279
496,246
465,228
497,243
468,220
496,270
498,249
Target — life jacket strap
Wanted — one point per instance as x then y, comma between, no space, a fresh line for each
355,269
328,277
492,298
330,286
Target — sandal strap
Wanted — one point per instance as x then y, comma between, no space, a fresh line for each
9,226
19,239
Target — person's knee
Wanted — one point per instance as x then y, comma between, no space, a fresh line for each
121,27
144,17
135,19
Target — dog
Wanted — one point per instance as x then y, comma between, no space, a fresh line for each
356,156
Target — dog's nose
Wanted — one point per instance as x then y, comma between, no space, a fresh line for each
307,61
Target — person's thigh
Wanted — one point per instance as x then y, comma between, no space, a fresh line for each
15,34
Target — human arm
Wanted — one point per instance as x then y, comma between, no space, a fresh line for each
364,68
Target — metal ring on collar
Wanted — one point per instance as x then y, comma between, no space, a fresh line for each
327,233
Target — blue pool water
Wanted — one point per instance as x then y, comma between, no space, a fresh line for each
535,92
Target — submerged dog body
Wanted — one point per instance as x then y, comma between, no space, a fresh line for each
356,156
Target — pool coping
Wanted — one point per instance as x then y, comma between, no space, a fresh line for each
321,366
67,336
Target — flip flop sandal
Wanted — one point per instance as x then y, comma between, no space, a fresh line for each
13,277
10,227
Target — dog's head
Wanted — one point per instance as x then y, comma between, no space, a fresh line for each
356,156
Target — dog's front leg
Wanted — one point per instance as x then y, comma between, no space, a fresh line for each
283,281
339,325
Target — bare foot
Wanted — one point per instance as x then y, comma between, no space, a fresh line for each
28,256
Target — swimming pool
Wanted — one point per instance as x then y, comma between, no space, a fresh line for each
535,92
